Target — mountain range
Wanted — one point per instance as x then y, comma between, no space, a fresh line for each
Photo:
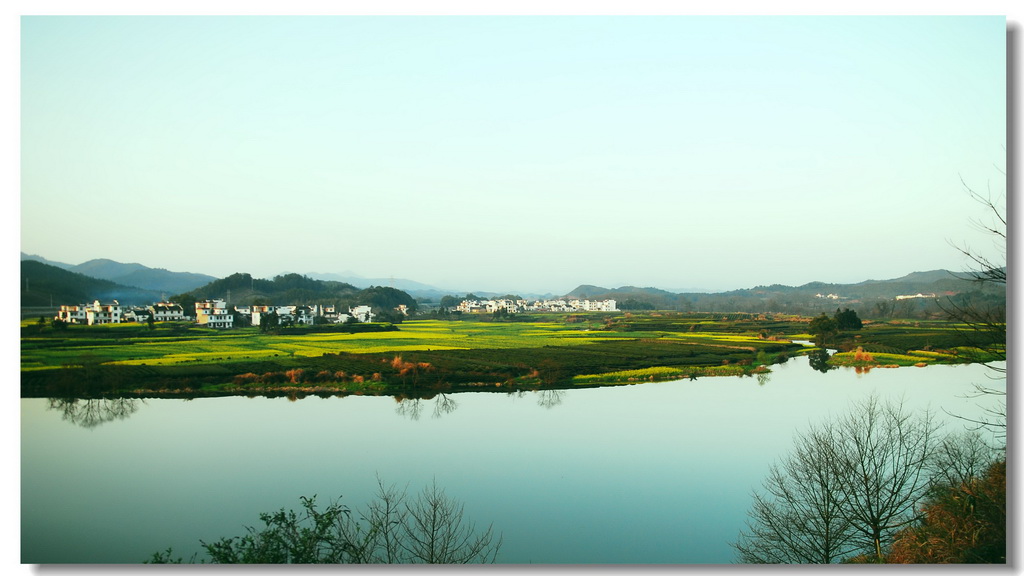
132,275
49,283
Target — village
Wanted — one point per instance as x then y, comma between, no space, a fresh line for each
518,306
217,313
212,314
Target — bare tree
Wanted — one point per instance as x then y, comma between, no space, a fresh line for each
960,458
848,486
984,322
881,455
797,519
431,528
436,532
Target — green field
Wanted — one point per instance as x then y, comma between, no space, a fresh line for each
422,356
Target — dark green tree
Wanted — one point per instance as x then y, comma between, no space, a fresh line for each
269,321
449,302
822,327
847,320
187,301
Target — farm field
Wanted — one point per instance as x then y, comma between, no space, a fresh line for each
423,356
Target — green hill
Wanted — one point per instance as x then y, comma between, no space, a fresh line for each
242,289
46,285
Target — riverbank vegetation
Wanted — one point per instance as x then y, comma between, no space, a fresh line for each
426,356
431,528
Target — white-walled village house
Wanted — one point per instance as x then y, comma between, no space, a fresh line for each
214,314
95,313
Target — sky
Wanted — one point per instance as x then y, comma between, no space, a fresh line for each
514,153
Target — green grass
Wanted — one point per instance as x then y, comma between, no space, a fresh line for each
546,350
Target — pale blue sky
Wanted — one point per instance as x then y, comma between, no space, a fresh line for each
513,153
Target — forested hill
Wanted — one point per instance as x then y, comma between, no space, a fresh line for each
47,285
876,297
243,289
133,274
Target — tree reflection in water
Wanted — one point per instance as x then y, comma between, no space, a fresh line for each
412,408
818,360
550,398
91,412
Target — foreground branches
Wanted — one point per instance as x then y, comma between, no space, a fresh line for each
855,485
393,529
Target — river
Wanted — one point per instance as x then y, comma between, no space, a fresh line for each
656,473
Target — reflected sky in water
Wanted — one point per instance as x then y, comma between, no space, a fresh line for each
651,473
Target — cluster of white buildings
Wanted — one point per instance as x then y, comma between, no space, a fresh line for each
211,313
516,306
95,313
918,295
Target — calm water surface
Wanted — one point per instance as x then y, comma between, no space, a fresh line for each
651,473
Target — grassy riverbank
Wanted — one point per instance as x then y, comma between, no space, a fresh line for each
421,357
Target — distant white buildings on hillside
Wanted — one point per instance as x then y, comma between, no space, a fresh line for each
918,295
516,306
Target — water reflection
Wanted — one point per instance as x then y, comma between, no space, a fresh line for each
550,398
818,359
91,412
412,408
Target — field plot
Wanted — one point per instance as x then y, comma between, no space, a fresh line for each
433,355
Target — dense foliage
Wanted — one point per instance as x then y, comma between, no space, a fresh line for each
50,286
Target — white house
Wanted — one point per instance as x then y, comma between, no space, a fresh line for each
103,313
95,313
72,314
214,314
167,311
99,313
362,313
140,315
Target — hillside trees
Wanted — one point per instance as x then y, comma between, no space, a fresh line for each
385,298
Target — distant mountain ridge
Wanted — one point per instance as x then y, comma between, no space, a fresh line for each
133,274
813,296
43,283
48,285
413,287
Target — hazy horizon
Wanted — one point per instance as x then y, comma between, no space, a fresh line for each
514,153
346,275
